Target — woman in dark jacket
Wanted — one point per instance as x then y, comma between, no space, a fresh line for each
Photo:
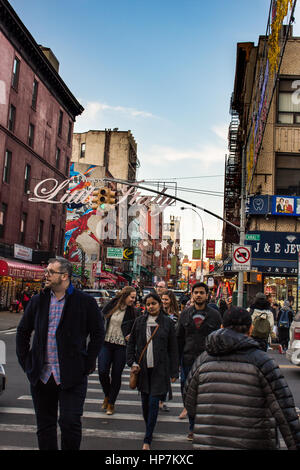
119,316
237,393
159,363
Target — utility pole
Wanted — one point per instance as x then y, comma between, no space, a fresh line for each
242,227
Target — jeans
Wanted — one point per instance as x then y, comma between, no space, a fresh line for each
112,356
150,406
46,399
184,372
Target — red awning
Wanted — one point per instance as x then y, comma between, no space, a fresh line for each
21,270
122,279
107,275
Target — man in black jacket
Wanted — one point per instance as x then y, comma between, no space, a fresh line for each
195,324
59,361
238,394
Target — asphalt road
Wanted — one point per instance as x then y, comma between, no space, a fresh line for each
122,431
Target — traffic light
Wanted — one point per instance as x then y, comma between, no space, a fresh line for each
102,196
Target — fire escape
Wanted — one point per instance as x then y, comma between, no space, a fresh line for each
232,186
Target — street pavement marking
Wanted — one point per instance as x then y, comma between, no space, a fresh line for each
126,382
126,392
94,415
103,433
118,402
11,331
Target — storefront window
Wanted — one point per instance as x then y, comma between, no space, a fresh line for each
281,288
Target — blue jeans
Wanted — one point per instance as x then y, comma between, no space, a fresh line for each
46,398
184,372
112,356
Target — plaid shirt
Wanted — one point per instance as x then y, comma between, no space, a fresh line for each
51,365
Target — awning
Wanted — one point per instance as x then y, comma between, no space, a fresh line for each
107,275
121,279
21,270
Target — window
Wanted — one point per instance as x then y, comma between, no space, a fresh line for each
23,227
34,93
15,75
51,240
60,122
11,118
7,167
82,150
57,157
3,217
69,133
40,232
67,166
287,176
27,179
31,135
289,102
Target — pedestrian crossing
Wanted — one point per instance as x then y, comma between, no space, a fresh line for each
122,430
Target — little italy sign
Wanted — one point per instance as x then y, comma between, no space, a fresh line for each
51,192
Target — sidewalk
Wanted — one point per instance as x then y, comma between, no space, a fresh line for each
9,320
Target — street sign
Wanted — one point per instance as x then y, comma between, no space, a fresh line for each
241,260
114,252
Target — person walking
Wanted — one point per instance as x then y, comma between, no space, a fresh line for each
158,364
170,305
235,374
119,315
25,297
284,321
195,324
160,288
59,361
262,319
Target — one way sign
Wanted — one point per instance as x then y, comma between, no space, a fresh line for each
241,260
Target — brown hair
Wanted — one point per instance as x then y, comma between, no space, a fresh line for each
121,296
174,304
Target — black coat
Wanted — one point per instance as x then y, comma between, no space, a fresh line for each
236,393
128,319
165,354
191,340
80,318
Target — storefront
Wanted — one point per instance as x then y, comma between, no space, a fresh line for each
274,255
14,277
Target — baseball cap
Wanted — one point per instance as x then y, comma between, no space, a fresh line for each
236,316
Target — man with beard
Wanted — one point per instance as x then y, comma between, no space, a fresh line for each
195,324
68,334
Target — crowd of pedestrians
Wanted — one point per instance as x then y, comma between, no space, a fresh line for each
233,393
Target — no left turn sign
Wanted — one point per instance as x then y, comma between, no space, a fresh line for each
241,258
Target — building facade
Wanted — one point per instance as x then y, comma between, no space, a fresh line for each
37,112
265,135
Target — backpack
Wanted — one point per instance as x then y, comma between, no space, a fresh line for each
261,326
284,321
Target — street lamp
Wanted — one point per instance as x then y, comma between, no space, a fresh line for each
202,247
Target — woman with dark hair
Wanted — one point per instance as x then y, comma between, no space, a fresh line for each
119,315
159,362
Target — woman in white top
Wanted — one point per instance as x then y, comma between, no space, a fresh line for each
119,315
159,363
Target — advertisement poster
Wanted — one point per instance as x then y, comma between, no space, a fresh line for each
285,205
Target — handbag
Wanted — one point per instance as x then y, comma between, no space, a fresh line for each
133,378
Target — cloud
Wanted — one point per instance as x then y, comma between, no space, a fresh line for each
95,113
207,154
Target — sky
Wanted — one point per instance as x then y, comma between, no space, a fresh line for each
163,69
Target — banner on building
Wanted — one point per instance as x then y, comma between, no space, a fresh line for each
196,249
211,249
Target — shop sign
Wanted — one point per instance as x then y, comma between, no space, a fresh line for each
286,205
22,252
114,252
258,205
275,246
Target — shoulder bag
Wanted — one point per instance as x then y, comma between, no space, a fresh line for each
134,374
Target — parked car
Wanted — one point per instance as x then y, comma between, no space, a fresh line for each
178,293
2,362
101,296
293,351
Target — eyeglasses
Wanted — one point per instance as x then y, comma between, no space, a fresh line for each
50,271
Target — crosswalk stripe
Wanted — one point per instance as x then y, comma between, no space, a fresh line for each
118,402
126,392
92,414
115,434
126,382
